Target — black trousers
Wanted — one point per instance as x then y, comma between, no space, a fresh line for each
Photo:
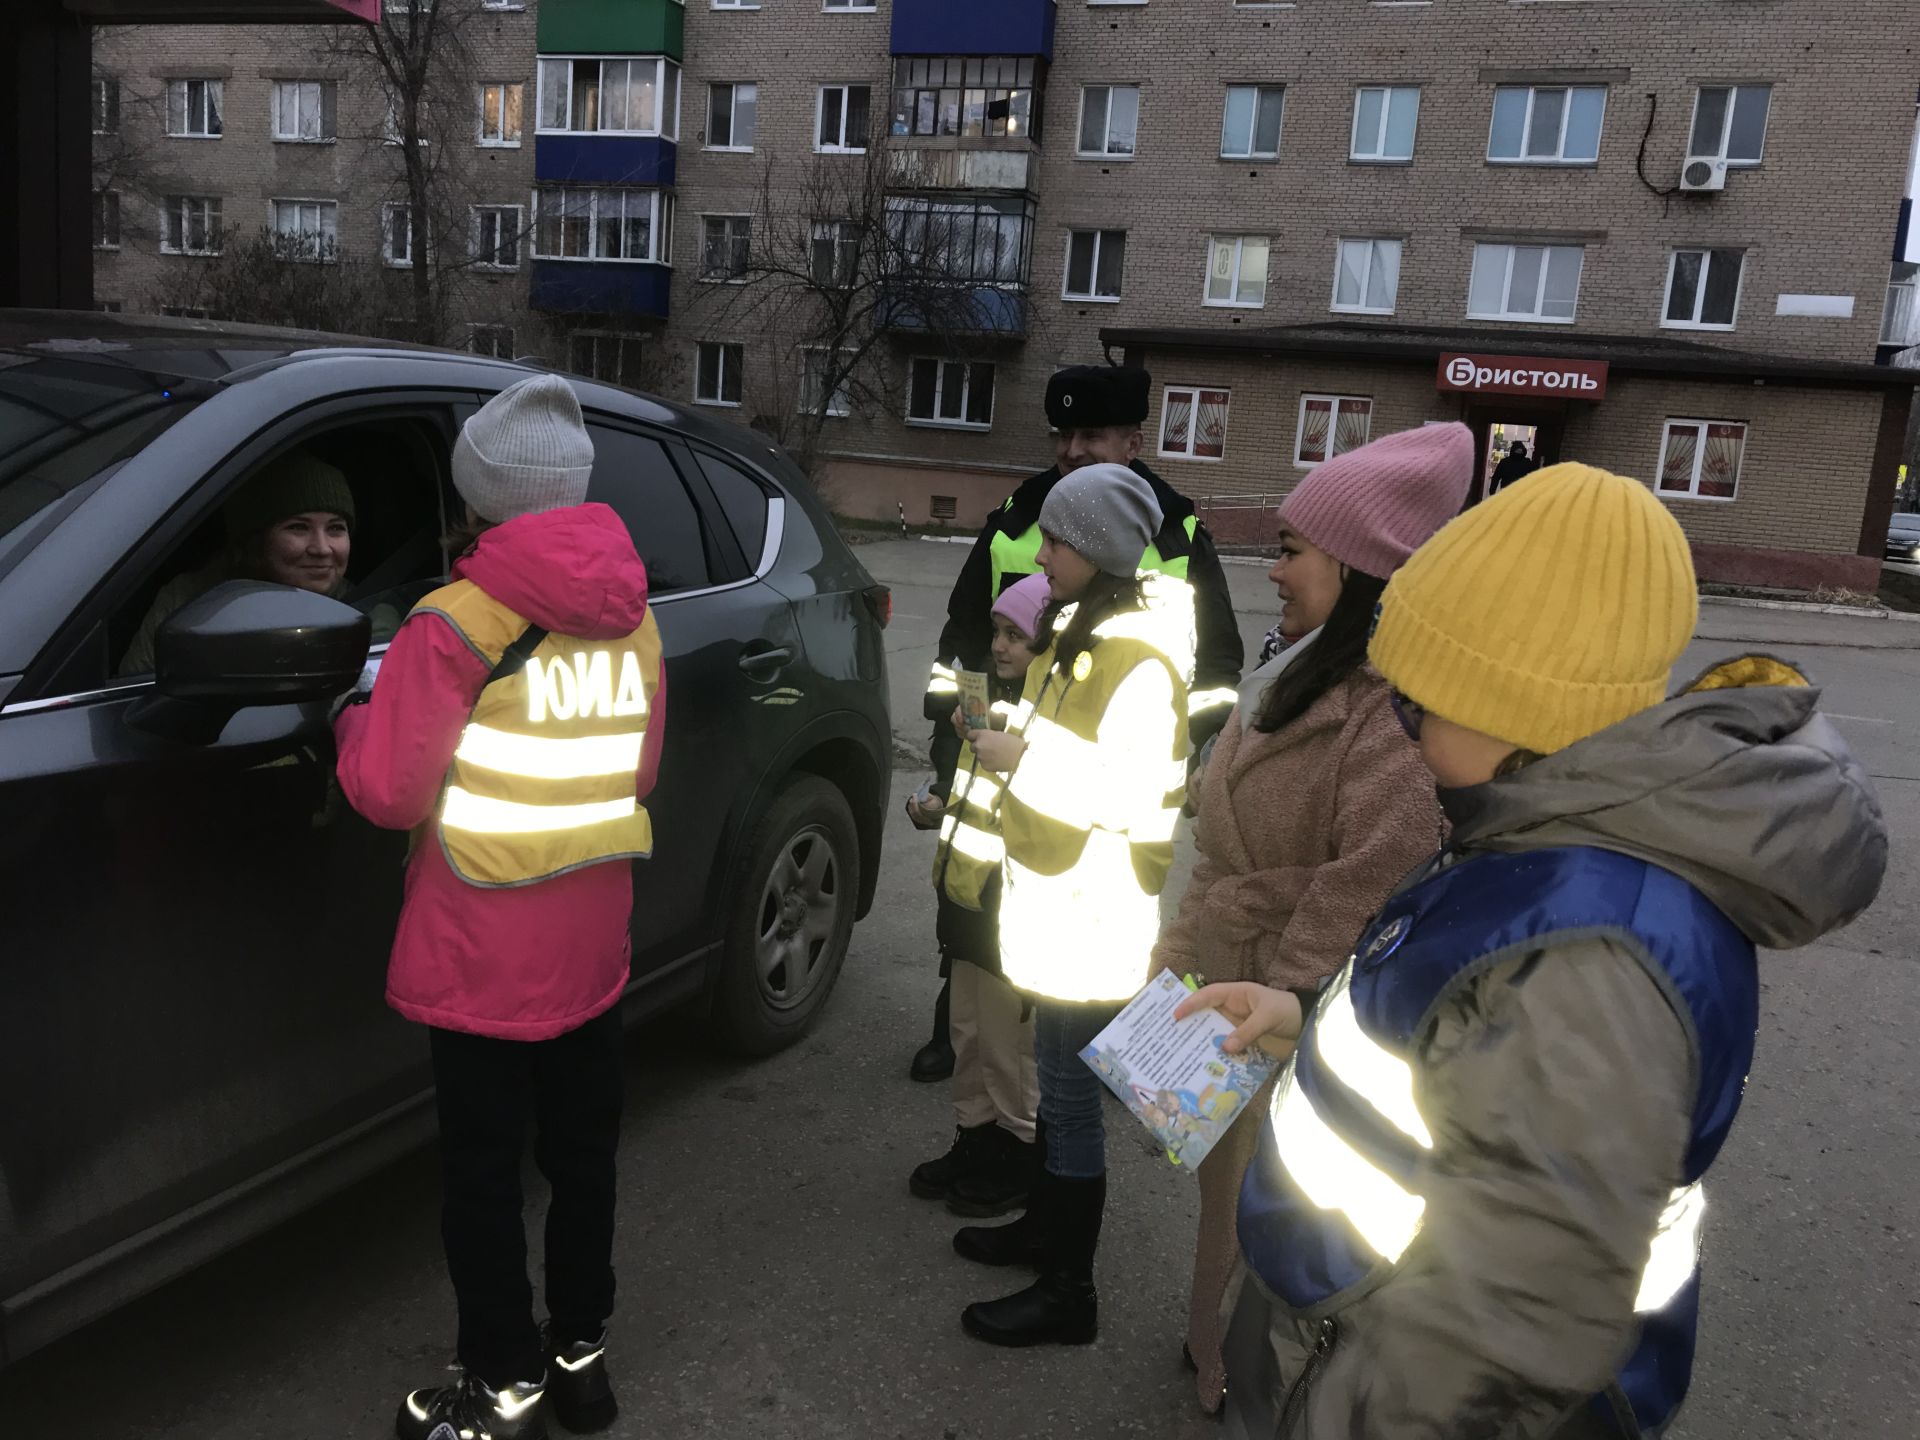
570,1088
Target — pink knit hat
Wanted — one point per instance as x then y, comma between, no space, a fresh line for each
1022,603
1373,507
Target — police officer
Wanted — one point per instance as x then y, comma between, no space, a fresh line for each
1096,412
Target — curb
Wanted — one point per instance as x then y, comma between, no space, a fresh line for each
1809,607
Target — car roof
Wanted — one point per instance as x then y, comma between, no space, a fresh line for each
1906,521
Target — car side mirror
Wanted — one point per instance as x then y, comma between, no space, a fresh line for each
248,643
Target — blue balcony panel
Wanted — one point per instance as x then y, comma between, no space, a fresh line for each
601,287
990,310
973,27
604,160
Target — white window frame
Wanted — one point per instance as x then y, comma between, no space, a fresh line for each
507,5
500,141
387,211
658,239
1533,317
707,278
1706,252
1726,124
733,115
1366,276
323,208
1193,392
1559,157
846,255
621,339
733,365
1099,237
1378,155
323,102
1897,316
1260,91
1080,120
107,202
104,100
847,7
665,126
820,112
213,105
968,367
211,220
736,4
1234,302
1333,426
477,248
840,403
473,334
1700,428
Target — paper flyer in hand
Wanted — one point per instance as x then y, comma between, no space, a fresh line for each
975,707
1173,1074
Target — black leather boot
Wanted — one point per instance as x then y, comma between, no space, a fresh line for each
971,1152
1061,1307
1027,1241
999,1182
934,1060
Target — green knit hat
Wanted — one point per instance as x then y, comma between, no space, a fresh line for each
294,484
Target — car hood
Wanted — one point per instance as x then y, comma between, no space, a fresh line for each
572,571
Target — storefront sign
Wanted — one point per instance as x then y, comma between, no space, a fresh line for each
1524,375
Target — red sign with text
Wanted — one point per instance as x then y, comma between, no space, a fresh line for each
1524,375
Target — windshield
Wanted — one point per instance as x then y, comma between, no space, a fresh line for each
64,420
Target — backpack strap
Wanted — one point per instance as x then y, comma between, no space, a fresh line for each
514,658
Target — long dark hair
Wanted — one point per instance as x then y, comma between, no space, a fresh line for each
1337,651
1106,595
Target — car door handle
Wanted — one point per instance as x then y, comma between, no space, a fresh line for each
760,662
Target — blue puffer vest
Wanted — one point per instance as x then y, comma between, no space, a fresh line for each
1332,1201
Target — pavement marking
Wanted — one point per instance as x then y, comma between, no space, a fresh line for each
1861,719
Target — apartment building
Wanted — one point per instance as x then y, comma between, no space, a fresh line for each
1654,236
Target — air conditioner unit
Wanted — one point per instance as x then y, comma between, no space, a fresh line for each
1703,173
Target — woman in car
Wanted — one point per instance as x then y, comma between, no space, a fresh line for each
292,524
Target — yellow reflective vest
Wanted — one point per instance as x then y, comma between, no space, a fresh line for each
1088,815
971,850
544,776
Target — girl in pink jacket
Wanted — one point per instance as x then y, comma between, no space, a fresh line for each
515,729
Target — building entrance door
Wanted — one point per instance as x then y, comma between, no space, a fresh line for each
1497,425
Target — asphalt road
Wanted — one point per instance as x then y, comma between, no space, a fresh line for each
778,1281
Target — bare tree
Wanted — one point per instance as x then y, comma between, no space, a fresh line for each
269,278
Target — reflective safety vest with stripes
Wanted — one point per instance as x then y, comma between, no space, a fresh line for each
543,779
1017,555
1088,815
1333,1199
971,849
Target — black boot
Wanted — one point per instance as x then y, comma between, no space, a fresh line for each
971,1150
577,1385
1027,1241
1000,1182
1061,1307
934,1060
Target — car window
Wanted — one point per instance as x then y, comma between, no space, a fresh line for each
633,474
744,503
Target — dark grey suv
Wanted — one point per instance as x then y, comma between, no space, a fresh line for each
193,1041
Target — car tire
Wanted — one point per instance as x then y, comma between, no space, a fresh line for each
789,918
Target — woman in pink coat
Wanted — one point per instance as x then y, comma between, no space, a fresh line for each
1313,805
515,727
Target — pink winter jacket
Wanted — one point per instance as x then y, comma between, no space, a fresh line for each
534,961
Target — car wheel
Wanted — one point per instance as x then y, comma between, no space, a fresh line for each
790,916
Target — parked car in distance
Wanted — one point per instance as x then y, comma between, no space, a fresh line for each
1903,537
194,1034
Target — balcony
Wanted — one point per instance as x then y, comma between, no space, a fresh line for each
613,27
971,27
955,169
604,159
987,311
607,287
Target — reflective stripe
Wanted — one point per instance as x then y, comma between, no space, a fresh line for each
1335,1176
1371,1071
977,844
483,815
942,680
1063,782
1676,1249
981,789
542,757
1199,700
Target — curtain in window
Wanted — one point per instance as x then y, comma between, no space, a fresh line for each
1676,470
1720,466
1210,433
1177,423
1356,419
1316,420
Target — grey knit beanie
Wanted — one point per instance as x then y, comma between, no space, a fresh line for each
1107,513
524,451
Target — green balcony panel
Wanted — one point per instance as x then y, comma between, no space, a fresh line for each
612,27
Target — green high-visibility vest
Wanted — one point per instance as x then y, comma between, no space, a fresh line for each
1018,555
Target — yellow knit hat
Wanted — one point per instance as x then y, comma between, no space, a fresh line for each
1545,614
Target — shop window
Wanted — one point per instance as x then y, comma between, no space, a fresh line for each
1703,289
1237,270
1546,124
733,114
1366,276
954,393
1331,425
1096,265
1539,283
1700,459
1250,126
1193,422
1730,122
1385,118
717,372
843,116
1109,121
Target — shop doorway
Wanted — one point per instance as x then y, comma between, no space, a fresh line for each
1498,427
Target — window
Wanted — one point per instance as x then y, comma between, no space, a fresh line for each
1366,276
106,220
187,312
815,371
397,243
303,110
1547,125
1700,459
1730,121
955,393
306,229
1331,425
726,246
193,108
106,105
844,118
963,240
1109,120
744,502
190,225
612,357
717,368
500,103
1193,422
736,4
1896,325
1703,289
1250,128
992,96
1385,118
633,474
110,307
846,4
576,223
503,4
494,340
1237,270
1096,261
590,95
733,112
1525,282
496,237
836,253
